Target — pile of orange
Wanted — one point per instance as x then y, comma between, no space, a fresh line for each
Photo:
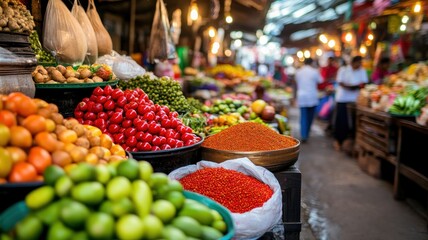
34,135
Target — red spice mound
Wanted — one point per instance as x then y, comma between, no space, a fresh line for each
247,137
234,190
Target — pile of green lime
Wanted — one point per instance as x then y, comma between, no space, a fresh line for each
121,200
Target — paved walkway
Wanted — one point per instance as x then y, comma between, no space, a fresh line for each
340,202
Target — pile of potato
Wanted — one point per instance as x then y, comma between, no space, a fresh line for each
14,17
62,74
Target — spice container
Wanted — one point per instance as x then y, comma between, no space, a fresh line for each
262,145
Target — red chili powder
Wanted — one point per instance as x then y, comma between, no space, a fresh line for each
234,190
247,137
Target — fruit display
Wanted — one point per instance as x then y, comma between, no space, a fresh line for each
42,55
134,121
14,17
33,135
415,73
225,106
120,201
162,91
229,71
95,73
410,103
222,122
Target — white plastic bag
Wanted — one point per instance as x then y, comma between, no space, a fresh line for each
123,67
61,34
91,39
255,223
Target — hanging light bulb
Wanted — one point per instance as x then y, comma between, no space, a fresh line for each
403,27
405,19
323,38
307,54
318,52
229,18
331,43
215,48
370,37
300,54
211,32
348,37
363,50
227,53
417,7
194,14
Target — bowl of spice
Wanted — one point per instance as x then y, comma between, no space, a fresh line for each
262,145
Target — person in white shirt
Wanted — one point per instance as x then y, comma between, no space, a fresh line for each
350,78
307,79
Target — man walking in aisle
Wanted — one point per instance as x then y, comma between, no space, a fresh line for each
307,79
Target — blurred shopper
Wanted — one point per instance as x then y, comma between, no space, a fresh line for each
350,79
381,71
307,79
328,74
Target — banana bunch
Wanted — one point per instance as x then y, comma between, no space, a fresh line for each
407,105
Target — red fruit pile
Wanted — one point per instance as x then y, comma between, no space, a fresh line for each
132,120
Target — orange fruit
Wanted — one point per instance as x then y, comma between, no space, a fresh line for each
23,172
7,118
27,107
21,104
106,141
67,136
13,101
78,154
53,108
40,178
20,137
34,123
91,158
79,129
116,158
40,158
118,150
57,117
40,103
61,158
59,128
46,141
93,131
45,112
50,125
70,123
17,154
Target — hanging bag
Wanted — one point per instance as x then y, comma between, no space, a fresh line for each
104,43
80,15
62,34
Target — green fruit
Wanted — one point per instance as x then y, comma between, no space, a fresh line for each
59,231
157,180
141,197
220,225
199,212
90,193
130,227
49,214
29,228
82,173
209,233
175,185
164,210
176,198
112,170
63,186
5,135
216,215
153,227
106,207
74,214
173,233
40,197
188,225
82,235
118,187
52,174
103,174
121,207
100,226
145,169
128,169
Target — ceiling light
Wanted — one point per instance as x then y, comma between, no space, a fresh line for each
263,40
237,43
403,27
215,48
417,7
307,54
304,10
259,33
363,50
370,37
405,19
229,19
227,53
373,25
348,37
290,60
194,11
323,38
318,52
331,43
300,54
211,32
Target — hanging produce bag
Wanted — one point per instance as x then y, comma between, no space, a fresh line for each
105,45
80,15
256,222
161,45
124,67
62,34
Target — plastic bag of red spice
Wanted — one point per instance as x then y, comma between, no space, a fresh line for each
254,223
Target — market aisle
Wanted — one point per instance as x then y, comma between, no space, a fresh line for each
340,202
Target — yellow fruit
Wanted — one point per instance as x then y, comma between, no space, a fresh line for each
105,141
50,125
91,158
101,152
4,135
118,150
78,154
5,163
67,136
68,168
93,131
258,106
